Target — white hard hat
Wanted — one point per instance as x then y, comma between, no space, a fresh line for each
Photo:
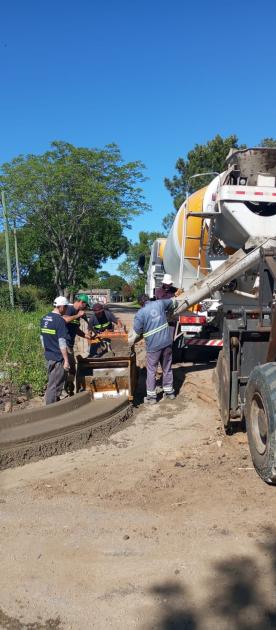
61,301
167,279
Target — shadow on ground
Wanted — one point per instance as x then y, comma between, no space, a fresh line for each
241,595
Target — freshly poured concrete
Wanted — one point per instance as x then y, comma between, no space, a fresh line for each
67,425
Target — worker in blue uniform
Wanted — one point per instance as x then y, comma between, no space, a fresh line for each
53,338
151,322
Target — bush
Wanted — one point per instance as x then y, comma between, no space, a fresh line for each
25,300
28,298
4,298
21,355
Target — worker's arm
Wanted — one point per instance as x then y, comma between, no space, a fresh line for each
138,324
63,350
62,334
136,332
84,335
91,330
171,304
168,304
133,337
113,319
71,318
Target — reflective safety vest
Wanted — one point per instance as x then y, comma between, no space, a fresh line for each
102,326
48,331
156,330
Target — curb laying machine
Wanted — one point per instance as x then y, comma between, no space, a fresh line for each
239,224
110,370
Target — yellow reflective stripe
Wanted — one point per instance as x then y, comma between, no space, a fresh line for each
156,330
74,321
101,325
49,331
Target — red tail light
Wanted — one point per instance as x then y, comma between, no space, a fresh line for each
192,319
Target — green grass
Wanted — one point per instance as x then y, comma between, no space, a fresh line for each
21,354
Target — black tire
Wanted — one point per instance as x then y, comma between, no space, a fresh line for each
260,416
222,382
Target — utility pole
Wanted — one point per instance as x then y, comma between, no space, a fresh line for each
8,257
16,254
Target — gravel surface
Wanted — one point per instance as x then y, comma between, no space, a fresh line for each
166,525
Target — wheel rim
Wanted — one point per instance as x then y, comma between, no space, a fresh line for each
259,423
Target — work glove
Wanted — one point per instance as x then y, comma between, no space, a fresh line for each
133,337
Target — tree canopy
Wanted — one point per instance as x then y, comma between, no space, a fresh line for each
104,280
268,142
202,158
129,267
74,203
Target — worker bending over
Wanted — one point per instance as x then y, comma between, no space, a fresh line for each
151,322
53,339
74,313
102,319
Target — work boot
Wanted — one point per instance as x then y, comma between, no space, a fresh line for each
150,400
169,396
63,395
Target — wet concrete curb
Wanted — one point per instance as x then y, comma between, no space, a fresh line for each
90,423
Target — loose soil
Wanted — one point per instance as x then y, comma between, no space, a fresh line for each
165,526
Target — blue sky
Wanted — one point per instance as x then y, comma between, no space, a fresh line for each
155,77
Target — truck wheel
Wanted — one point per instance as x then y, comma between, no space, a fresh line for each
222,380
260,415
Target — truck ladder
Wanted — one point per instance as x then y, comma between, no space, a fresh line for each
185,237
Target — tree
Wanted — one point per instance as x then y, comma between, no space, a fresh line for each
268,142
109,281
34,261
104,280
209,157
114,282
129,267
3,264
168,221
127,292
77,201
101,277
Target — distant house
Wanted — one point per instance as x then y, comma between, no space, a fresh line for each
105,296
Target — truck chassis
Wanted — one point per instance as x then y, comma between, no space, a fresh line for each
246,371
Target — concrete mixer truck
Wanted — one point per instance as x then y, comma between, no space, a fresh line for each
222,247
185,255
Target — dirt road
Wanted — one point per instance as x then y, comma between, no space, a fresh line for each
164,526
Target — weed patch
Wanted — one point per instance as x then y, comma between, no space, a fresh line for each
21,355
